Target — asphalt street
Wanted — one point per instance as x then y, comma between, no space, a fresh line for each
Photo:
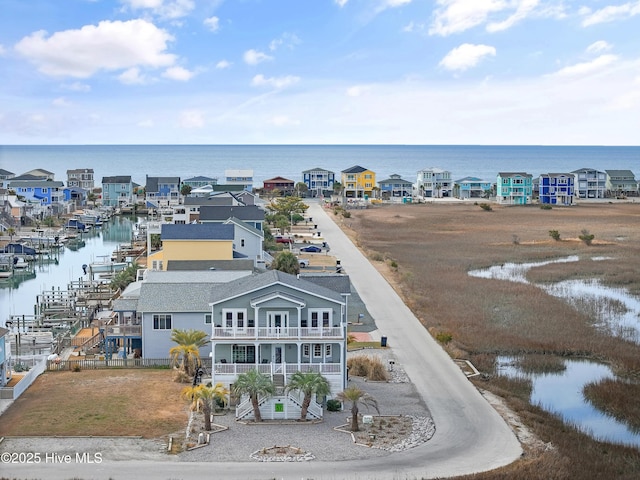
470,435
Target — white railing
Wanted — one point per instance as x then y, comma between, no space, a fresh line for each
272,368
314,409
278,332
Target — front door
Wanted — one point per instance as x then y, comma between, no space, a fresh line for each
277,358
277,323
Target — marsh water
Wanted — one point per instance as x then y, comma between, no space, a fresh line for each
617,312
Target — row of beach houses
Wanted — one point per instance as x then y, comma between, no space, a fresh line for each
39,189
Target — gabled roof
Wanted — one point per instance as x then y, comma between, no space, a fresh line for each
153,182
279,180
215,200
472,179
196,231
249,228
620,173
317,169
355,169
117,179
5,173
232,187
35,183
337,282
514,174
586,169
41,172
260,281
27,176
80,170
223,212
396,180
199,179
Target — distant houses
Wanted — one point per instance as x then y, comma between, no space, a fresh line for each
557,189
621,183
514,188
117,191
319,181
434,183
395,187
358,183
472,187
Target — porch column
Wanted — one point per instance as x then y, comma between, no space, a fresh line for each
256,320
299,308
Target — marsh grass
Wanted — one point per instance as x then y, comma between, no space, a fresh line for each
536,363
366,366
440,243
616,398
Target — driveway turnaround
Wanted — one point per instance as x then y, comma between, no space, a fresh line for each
470,435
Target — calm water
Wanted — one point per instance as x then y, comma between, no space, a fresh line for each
561,394
18,295
289,161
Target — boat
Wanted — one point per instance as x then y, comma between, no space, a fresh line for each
106,266
20,249
19,262
6,266
88,217
75,224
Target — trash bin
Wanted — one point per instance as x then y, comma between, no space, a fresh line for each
383,341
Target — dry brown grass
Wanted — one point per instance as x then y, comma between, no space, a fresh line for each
98,402
440,243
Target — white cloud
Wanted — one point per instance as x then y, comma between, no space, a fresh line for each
610,13
2,49
132,76
587,68
61,102
341,3
524,9
357,90
212,23
286,39
106,46
222,64
254,57
599,46
466,56
275,82
146,123
178,73
167,9
191,119
284,121
455,16
78,87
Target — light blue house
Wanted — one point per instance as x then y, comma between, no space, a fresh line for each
514,188
395,187
318,180
471,187
557,188
590,183
117,191
200,181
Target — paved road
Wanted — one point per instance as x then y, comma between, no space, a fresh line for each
470,435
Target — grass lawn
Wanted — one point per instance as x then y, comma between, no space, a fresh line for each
98,402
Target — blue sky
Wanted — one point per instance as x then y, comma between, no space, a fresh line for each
487,72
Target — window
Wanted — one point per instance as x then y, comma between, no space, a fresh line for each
161,321
207,318
317,350
306,348
244,353
318,318
242,242
327,350
234,319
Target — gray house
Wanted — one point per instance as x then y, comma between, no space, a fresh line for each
621,183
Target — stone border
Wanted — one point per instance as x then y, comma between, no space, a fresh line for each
263,456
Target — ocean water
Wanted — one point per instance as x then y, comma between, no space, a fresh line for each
290,161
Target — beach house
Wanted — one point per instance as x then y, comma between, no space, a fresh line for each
395,187
471,187
514,188
162,191
358,182
117,191
621,183
318,181
557,189
434,183
590,183
81,178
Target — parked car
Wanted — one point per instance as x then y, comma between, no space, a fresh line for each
311,248
281,239
304,263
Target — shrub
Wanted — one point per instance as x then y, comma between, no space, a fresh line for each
545,206
370,367
516,239
444,337
75,368
346,214
394,264
377,257
486,207
555,234
334,405
586,237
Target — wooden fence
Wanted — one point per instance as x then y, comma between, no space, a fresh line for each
102,361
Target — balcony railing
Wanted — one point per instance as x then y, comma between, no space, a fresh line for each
273,368
278,332
124,330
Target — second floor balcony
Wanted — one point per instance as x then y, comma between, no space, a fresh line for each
266,333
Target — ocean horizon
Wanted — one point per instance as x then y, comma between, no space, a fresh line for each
289,161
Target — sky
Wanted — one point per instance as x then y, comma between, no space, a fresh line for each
438,72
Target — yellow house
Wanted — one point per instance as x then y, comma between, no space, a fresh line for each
206,241
358,182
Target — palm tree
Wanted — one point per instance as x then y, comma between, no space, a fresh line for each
186,354
203,397
286,262
254,384
308,383
356,396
